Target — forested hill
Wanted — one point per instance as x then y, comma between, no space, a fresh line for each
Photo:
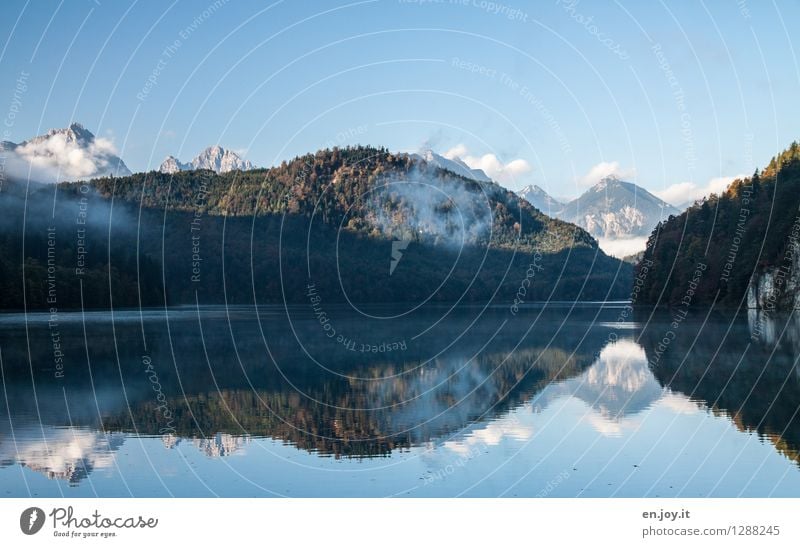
361,189
359,224
720,249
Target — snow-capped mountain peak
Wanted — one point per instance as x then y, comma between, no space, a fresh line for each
455,165
619,214
220,160
214,158
540,199
616,210
70,153
172,165
605,182
74,133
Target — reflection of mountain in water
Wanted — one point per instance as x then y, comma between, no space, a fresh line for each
59,453
221,444
216,446
324,398
348,417
619,383
71,453
617,386
748,372
346,403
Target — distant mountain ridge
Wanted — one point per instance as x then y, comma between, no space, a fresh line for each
371,190
213,158
619,214
337,208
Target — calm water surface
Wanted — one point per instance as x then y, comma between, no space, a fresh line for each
553,401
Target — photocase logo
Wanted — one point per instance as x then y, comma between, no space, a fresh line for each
398,246
31,520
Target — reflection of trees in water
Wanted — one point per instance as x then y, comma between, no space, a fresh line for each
360,404
369,405
749,376
368,418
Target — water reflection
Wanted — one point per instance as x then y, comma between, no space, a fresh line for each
744,370
70,454
231,385
618,386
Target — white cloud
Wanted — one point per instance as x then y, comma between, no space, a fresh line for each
54,158
682,192
603,425
458,151
677,193
61,453
620,248
490,164
605,169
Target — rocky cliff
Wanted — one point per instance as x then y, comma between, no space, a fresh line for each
778,286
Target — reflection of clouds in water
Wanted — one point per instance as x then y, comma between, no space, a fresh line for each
617,387
62,453
509,427
219,445
170,441
621,365
72,454
443,396
609,427
678,403
620,385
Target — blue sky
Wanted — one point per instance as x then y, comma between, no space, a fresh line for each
674,96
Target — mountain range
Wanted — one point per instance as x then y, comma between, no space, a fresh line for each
75,153
619,214
614,209
330,220
213,158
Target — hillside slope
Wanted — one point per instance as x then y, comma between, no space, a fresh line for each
358,224
740,247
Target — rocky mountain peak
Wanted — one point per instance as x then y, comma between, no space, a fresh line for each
214,158
64,154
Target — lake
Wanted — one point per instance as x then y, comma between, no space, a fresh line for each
561,400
